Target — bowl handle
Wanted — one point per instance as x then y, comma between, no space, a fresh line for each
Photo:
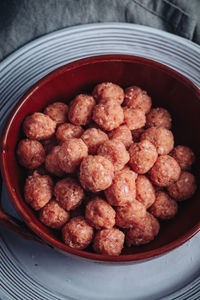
16,225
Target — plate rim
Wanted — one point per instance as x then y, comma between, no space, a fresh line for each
35,42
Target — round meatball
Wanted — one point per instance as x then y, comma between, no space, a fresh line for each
57,111
100,214
109,241
38,190
77,233
96,173
93,138
184,188
145,192
108,115
136,134
130,215
123,134
51,162
122,191
143,155
137,98
80,109
30,153
143,233
108,90
184,156
53,215
159,117
115,151
164,207
134,118
39,126
71,154
162,139
165,171
68,193
68,131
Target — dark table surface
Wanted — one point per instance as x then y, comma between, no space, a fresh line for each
24,20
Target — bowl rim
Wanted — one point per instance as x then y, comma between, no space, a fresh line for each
23,213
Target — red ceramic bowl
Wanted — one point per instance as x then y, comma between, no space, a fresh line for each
167,88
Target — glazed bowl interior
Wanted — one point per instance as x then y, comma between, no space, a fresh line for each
166,87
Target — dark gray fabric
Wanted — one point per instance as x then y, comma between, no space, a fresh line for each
163,15
24,20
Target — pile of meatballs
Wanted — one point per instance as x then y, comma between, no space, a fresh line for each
104,169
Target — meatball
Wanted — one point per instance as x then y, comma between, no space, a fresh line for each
165,171
57,111
162,139
51,162
108,90
39,126
137,98
77,233
164,207
143,155
184,188
122,191
71,154
108,115
93,138
68,193
38,190
145,192
80,109
144,233
134,118
68,131
99,213
115,151
184,156
130,215
136,134
53,215
159,117
30,153
123,134
109,241
96,173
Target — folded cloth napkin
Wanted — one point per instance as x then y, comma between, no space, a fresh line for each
24,20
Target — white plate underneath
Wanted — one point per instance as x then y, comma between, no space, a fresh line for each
31,271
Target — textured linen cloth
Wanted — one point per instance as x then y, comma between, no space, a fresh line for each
24,20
